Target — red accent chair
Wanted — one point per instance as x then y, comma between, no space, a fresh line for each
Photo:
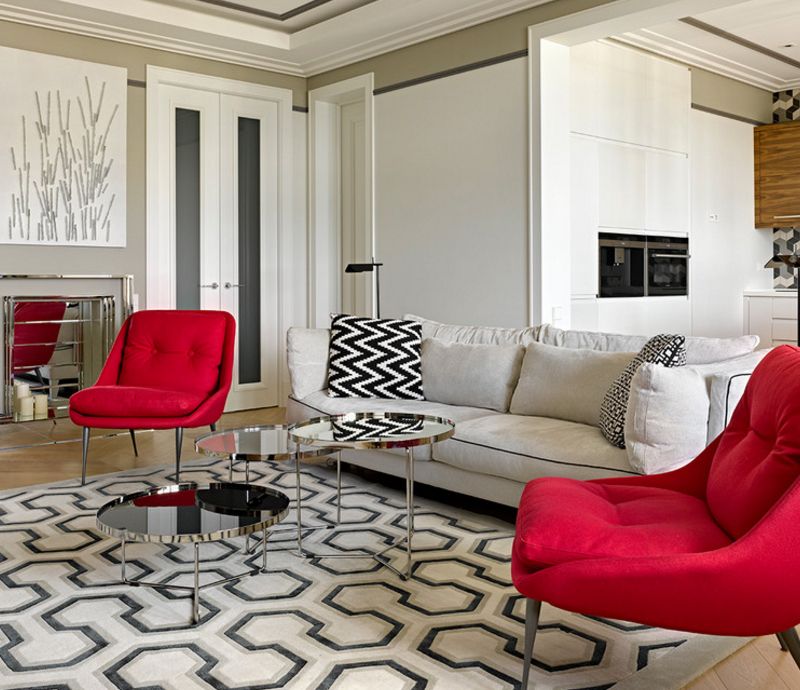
710,548
166,370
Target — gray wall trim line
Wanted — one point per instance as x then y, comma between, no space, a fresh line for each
452,71
758,48
136,83
300,108
281,17
731,116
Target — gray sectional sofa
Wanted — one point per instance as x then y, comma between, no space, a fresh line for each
525,403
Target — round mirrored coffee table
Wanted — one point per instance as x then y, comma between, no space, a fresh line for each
192,514
255,444
363,431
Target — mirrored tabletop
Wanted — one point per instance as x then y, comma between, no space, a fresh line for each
372,430
254,443
186,513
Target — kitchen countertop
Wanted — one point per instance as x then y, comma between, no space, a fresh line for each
771,293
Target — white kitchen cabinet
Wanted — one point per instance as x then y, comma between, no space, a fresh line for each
622,184
623,94
772,316
666,192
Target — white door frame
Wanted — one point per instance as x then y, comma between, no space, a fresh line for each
549,165
160,263
324,191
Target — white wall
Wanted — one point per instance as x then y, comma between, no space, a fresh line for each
728,255
451,197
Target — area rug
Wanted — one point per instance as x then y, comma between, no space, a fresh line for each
66,621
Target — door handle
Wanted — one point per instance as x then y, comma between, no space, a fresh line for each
228,286
213,285
792,215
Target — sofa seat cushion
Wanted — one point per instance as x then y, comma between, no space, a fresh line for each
522,448
133,401
320,403
562,520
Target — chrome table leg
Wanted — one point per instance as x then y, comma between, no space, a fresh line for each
409,508
299,507
339,488
196,593
122,560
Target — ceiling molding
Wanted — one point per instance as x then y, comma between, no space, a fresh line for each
304,57
680,51
82,27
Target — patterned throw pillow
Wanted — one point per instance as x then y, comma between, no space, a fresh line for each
375,358
668,350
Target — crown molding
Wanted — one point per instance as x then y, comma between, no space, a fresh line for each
83,27
654,42
360,46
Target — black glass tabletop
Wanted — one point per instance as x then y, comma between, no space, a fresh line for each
185,513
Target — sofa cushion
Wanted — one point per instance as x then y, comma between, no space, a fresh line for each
667,418
698,350
475,335
665,349
320,403
133,401
375,358
472,375
561,520
523,448
566,383
307,351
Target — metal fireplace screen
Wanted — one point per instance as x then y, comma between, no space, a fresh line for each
53,346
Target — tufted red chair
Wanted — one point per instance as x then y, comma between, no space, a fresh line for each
166,370
710,548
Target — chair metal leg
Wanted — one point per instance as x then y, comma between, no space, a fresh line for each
784,648
133,441
791,642
532,610
178,445
85,438
213,427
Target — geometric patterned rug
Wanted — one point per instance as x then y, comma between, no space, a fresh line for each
66,622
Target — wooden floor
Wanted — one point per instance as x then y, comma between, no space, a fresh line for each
761,665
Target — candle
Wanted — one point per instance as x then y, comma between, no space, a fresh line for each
40,406
25,408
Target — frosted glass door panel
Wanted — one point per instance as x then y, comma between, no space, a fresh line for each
249,231
187,208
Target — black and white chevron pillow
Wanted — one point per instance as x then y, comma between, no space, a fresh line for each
375,358
668,350
374,428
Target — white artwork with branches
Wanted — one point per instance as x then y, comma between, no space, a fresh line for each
63,174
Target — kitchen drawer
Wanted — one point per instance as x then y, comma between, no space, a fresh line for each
784,329
784,308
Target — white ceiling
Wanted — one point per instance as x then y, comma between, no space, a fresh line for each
744,41
302,37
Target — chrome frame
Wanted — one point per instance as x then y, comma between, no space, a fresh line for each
126,536
107,319
378,443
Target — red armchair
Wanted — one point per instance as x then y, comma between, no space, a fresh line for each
166,370
710,548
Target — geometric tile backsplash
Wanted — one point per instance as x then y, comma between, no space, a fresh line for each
785,107
784,241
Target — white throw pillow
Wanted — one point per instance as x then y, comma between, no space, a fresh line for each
666,423
471,375
566,383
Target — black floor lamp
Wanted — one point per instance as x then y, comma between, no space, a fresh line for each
792,262
369,268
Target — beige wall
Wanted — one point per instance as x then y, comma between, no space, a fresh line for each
129,259
730,96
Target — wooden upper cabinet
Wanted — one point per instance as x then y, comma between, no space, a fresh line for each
777,175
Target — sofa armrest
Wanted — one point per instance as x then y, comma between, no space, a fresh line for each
726,387
307,352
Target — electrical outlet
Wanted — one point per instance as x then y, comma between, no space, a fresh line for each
713,217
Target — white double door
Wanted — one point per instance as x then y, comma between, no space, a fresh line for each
218,189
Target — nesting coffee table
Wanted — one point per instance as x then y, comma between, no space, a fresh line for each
192,514
365,431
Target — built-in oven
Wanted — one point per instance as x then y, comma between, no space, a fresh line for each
667,266
622,265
